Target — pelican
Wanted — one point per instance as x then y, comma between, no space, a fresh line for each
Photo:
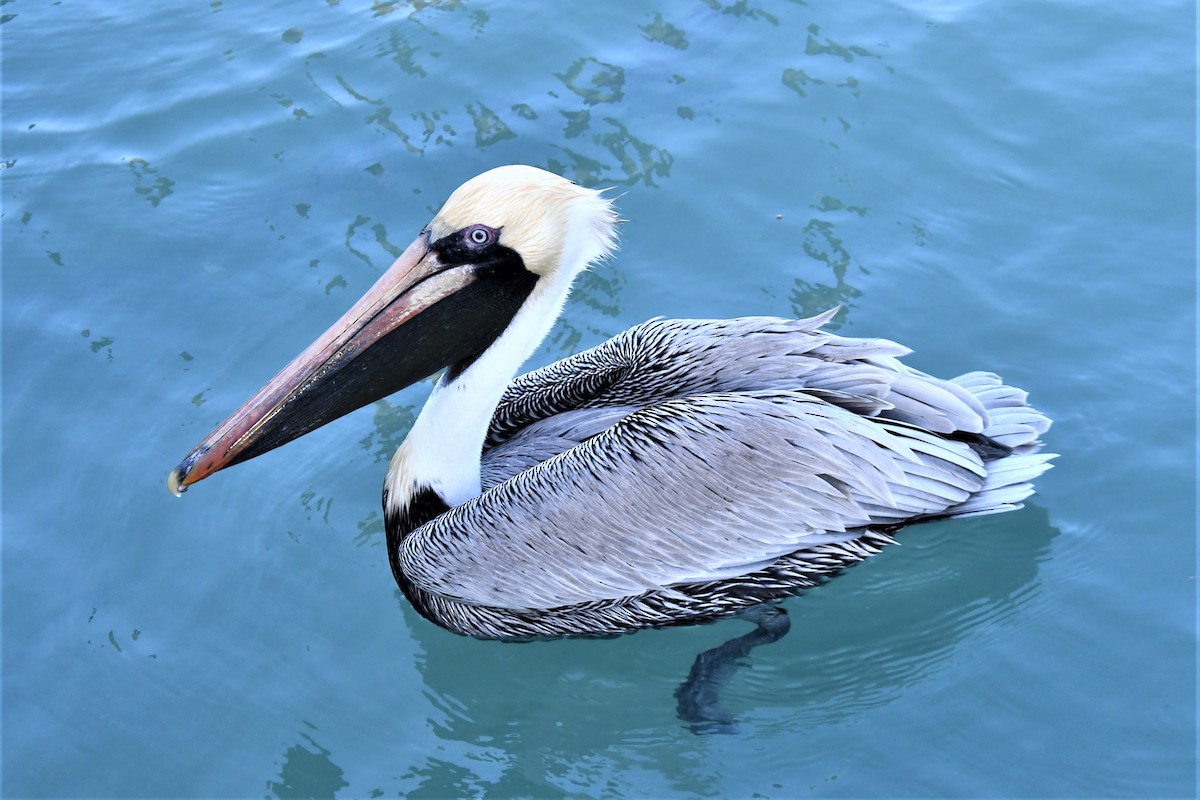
683,471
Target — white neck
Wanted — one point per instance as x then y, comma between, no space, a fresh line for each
442,451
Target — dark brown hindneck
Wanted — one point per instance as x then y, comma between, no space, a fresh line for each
424,506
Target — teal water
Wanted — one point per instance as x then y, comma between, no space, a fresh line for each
191,192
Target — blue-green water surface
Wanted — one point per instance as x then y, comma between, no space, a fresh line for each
193,191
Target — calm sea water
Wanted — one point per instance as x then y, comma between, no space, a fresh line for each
193,191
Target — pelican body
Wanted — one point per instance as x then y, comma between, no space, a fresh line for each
682,471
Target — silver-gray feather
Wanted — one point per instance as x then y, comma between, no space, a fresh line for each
688,468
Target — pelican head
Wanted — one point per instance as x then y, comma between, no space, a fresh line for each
498,257
555,225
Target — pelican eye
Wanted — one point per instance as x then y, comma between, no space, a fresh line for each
480,235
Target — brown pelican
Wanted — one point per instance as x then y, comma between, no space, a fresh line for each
683,471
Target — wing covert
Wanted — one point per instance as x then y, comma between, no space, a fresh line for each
686,491
663,359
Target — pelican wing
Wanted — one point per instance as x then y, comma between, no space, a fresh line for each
550,410
668,358
686,491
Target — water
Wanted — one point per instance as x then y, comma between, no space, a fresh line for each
191,192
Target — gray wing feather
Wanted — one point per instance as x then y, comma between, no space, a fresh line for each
687,491
1011,421
664,359
545,438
